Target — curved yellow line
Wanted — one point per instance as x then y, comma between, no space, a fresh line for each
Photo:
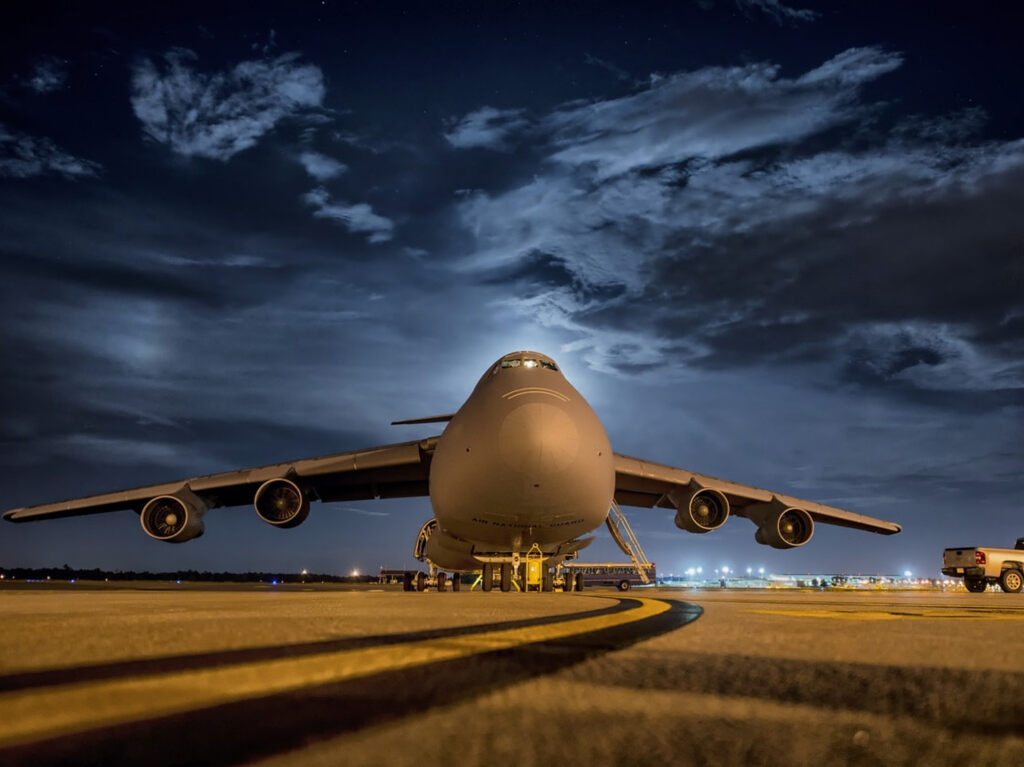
33,715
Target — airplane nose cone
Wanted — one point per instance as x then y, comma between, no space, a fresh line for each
538,441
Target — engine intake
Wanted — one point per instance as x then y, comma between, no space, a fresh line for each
699,510
174,518
785,528
281,503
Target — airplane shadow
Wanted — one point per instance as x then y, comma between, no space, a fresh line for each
248,729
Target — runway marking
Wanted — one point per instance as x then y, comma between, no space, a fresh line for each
77,707
888,615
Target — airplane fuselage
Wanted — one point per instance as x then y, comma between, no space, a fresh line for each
525,460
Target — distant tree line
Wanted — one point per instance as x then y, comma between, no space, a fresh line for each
67,573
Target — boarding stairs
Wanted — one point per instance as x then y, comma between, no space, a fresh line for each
624,536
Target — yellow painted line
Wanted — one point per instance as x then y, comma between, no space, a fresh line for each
45,713
884,615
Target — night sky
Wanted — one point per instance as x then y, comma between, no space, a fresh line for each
779,244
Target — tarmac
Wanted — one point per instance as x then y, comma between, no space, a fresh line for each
314,675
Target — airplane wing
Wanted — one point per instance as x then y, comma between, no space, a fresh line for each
390,471
647,484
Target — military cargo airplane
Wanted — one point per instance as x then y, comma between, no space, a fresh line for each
524,464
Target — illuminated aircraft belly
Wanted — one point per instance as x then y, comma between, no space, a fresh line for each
524,463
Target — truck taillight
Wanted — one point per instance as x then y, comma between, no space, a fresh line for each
979,557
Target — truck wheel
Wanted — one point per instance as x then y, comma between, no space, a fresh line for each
1011,581
623,585
975,585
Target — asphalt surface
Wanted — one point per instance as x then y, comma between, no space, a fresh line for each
180,675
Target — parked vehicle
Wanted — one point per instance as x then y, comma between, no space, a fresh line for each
980,567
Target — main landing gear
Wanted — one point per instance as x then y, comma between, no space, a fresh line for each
435,581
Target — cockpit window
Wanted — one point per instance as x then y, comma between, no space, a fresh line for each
526,363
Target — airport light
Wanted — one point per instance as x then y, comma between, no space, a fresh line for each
907,573
355,573
700,570
725,570
750,570
760,571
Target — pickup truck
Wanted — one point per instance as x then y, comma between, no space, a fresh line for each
981,566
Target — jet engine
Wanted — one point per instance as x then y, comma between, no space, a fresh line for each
785,528
699,509
281,503
174,518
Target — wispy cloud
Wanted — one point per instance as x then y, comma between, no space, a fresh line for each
487,128
49,74
357,218
731,216
218,115
778,11
320,166
22,156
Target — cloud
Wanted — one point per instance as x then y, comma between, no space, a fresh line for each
356,218
49,74
732,217
486,128
23,156
779,12
712,112
320,166
221,114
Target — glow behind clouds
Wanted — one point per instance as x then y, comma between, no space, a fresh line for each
765,242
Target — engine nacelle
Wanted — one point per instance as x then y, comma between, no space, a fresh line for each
785,528
174,518
281,503
699,509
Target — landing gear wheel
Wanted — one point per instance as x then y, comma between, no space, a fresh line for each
1011,581
506,576
578,582
456,582
421,581
975,585
442,581
487,579
623,585
546,581
406,581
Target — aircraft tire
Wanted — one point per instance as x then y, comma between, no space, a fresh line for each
975,585
442,581
506,576
406,581
487,579
421,581
623,585
1011,581
456,582
546,581
578,582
